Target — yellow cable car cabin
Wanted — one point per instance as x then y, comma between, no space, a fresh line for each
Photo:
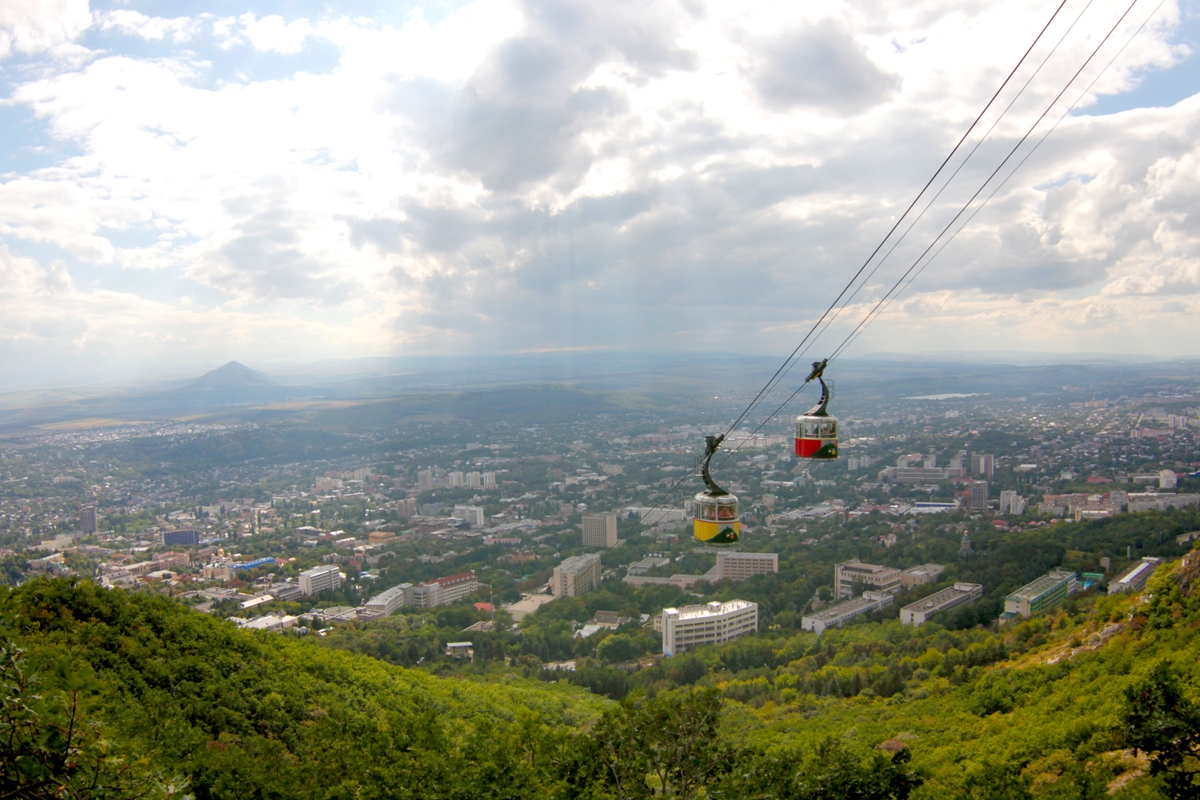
716,520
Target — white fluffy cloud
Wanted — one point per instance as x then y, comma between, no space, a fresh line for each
522,175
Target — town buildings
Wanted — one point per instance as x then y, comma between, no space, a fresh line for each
959,594
386,602
919,576
1134,579
600,530
87,519
849,574
444,591
692,626
1044,593
320,579
576,575
979,495
738,566
838,615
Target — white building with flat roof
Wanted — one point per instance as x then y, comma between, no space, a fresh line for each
472,515
320,579
959,594
1135,578
577,575
838,615
386,602
739,566
692,626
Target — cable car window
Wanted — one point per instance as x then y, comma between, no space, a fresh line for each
828,428
708,512
726,512
810,429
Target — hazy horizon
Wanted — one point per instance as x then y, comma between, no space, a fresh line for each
294,183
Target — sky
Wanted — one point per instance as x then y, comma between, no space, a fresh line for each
186,184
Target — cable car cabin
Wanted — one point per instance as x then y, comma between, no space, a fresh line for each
816,431
716,519
816,437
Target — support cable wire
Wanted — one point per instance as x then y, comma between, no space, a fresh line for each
770,384
897,289
790,360
873,313
896,243
845,345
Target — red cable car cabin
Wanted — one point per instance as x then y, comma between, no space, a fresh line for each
816,431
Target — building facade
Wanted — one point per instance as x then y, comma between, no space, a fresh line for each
444,591
692,626
1134,579
87,519
979,495
739,566
388,601
920,576
472,515
870,576
959,594
190,537
320,579
1042,594
600,530
838,615
577,575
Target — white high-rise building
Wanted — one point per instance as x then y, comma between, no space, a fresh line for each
424,480
692,626
474,481
320,579
472,515
489,479
600,530
1012,503
577,575
1167,479
456,479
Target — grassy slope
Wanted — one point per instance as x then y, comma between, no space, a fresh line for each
1049,714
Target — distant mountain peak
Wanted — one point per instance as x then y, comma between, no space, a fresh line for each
230,375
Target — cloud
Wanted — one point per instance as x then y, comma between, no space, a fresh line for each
537,174
818,66
34,26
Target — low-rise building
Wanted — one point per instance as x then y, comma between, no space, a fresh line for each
959,594
692,626
738,566
920,576
836,616
849,575
1134,579
1042,594
387,601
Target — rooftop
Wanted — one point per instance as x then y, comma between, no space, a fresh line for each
709,610
836,611
1038,587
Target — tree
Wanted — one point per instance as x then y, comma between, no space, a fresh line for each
50,751
668,743
1162,723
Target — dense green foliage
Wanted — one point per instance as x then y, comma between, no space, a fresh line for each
227,713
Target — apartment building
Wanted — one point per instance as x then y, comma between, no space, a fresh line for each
838,615
600,530
959,594
320,579
739,566
849,574
692,626
577,575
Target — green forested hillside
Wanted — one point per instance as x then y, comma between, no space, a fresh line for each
156,699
